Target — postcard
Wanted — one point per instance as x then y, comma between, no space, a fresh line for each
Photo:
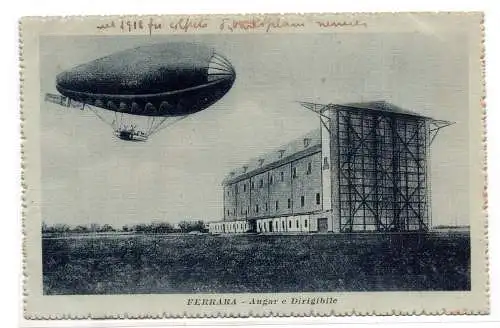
253,165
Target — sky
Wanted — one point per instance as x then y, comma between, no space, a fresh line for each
89,176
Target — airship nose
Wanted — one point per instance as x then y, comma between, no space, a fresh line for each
77,79
64,79
220,68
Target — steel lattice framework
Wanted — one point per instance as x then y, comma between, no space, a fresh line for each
382,173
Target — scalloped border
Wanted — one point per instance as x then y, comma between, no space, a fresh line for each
270,314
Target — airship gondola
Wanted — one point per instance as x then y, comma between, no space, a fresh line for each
142,90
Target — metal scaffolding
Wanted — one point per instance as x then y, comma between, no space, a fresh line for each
382,173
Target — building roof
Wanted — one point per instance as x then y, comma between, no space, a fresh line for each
383,106
307,143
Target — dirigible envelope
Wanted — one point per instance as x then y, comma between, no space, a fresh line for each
162,80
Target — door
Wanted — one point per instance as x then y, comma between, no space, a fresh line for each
322,224
253,225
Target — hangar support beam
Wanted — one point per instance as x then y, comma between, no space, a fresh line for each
382,177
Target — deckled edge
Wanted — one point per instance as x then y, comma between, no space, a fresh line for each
251,314
24,186
485,162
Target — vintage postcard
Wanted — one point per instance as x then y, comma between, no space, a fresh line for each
253,165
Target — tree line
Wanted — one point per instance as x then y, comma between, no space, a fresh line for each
154,227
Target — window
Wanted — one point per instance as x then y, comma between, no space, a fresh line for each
236,189
227,211
276,225
294,172
289,203
234,211
244,187
305,223
266,205
252,185
283,225
261,183
297,223
277,205
325,163
282,176
318,199
270,179
289,224
302,201
228,192
309,168
256,208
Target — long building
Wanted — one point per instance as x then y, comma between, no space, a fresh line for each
365,169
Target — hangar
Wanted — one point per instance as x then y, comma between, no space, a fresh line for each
366,169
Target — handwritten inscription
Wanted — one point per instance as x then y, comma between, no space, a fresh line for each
334,23
188,24
265,23
106,26
132,25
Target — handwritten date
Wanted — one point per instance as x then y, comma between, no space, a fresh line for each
132,25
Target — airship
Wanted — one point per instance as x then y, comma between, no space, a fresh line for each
139,91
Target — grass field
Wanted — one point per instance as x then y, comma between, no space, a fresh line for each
255,263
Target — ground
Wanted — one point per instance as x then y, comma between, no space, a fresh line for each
115,264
